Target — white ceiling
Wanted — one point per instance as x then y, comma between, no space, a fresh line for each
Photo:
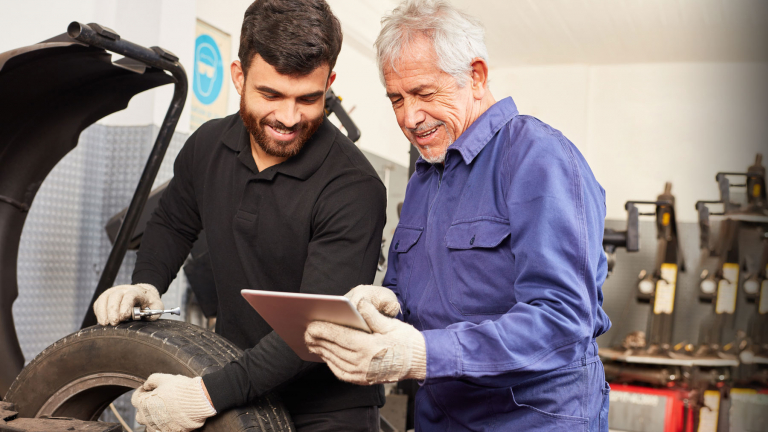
523,32
535,32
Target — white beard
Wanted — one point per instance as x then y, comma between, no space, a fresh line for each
439,159
433,160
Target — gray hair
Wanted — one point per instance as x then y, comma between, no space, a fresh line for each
456,37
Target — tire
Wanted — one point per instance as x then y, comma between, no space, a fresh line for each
81,374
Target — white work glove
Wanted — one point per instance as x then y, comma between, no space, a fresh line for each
116,304
172,403
382,298
394,351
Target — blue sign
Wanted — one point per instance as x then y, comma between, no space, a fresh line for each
209,70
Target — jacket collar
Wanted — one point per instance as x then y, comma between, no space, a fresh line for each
301,166
479,133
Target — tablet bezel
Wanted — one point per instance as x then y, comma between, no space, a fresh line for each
289,314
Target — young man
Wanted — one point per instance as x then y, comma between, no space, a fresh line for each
288,203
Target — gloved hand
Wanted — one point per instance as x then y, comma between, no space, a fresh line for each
116,304
382,298
172,403
394,351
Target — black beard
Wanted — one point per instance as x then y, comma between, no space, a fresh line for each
278,148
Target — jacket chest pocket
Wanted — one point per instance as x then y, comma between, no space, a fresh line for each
403,241
482,267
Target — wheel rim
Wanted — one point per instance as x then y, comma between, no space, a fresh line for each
88,396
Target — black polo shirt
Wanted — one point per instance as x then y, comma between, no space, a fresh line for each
311,224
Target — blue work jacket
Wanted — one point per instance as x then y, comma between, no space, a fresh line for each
498,261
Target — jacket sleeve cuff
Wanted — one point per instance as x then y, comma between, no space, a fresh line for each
150,277
224,387
443,356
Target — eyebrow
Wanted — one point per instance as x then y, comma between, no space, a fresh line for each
265,89
415,90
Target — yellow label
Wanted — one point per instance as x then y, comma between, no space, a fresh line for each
664,301
756,190
727,289
746,391
665,219
709,412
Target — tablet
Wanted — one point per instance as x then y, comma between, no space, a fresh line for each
289,314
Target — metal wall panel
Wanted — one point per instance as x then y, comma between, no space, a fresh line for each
64,246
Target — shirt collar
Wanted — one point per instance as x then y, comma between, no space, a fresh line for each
479,132
301,166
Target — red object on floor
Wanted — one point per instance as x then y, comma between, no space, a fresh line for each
641,409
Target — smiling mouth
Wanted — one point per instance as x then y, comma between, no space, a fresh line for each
281,132
427,133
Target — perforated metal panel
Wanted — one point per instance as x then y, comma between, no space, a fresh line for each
64,247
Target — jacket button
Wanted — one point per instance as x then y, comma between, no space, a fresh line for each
397,244
472,240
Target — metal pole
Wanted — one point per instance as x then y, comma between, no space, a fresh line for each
101,37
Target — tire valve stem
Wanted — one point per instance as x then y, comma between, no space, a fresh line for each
139,313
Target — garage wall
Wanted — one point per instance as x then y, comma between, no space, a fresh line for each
638,123
357,80
171,25
166,23
641,125
63,245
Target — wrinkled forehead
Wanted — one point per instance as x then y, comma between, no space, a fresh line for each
415,60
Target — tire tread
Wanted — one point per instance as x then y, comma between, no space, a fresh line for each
200,350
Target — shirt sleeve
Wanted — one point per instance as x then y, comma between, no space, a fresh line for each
543,190
343,253
173,226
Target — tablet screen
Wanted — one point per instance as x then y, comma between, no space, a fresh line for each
289,314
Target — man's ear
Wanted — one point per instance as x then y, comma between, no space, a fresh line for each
331,79
238,76
479,78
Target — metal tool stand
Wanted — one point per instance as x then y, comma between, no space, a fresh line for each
720,285
656,359
753,342
717,358
657,287
754,353
161,59
628,239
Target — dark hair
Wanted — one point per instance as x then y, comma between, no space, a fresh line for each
294,36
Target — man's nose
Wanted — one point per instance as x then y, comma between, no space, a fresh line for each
288,113
413,115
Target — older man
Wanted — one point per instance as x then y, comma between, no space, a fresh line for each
496,263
